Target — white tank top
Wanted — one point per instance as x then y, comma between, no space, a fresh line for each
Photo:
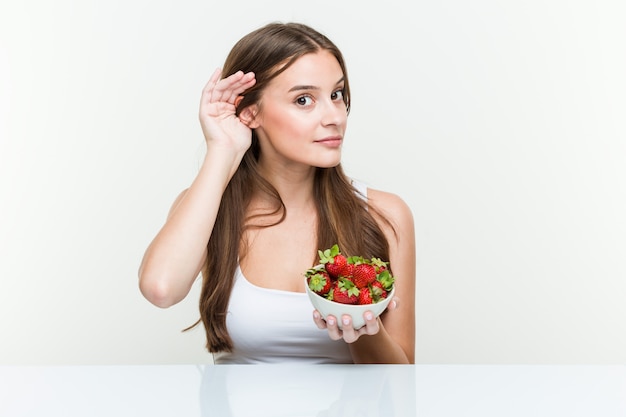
276,326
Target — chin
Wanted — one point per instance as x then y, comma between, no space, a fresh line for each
329,164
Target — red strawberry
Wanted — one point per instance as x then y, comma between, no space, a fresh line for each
363,275
335,263
365,296
319,281
339,267
344,292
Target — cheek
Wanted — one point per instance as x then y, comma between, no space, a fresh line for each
284,126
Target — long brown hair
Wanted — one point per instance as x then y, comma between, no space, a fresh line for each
344,216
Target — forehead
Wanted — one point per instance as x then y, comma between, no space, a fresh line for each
319,69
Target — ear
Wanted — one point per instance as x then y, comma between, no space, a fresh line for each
248,116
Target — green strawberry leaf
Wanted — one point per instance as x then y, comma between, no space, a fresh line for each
386,279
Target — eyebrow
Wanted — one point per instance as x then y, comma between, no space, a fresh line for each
311,87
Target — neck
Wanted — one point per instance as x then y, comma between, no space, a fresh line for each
294,187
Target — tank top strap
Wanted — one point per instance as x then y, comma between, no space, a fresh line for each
360,187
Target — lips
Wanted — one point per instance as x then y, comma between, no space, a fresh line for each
332,141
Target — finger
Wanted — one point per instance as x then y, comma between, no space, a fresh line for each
394,304
350,335
227,89
216,86
238,87
371,323
319,320
210,85
334,331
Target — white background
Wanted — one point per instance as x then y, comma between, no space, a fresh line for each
502,124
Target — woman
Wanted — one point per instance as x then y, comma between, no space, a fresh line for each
269,194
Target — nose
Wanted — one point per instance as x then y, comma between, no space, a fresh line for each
334,113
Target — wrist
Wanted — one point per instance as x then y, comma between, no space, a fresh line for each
219,159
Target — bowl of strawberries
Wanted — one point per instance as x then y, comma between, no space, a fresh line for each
341,285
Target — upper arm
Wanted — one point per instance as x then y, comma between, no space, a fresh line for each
400,233
177,201
154,282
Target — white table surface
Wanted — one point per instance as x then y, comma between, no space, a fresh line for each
320,391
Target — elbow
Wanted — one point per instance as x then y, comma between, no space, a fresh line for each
157,291
156,296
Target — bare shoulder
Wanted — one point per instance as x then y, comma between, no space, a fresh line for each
392,206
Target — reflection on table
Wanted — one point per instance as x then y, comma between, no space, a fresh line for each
313,390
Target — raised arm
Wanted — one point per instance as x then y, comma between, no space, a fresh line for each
176,255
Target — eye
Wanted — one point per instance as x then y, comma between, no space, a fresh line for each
304,100
337,95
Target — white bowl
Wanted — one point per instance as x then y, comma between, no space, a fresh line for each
327,307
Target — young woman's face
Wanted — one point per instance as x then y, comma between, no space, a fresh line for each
302,116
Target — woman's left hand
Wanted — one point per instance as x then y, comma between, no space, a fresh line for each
348,333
